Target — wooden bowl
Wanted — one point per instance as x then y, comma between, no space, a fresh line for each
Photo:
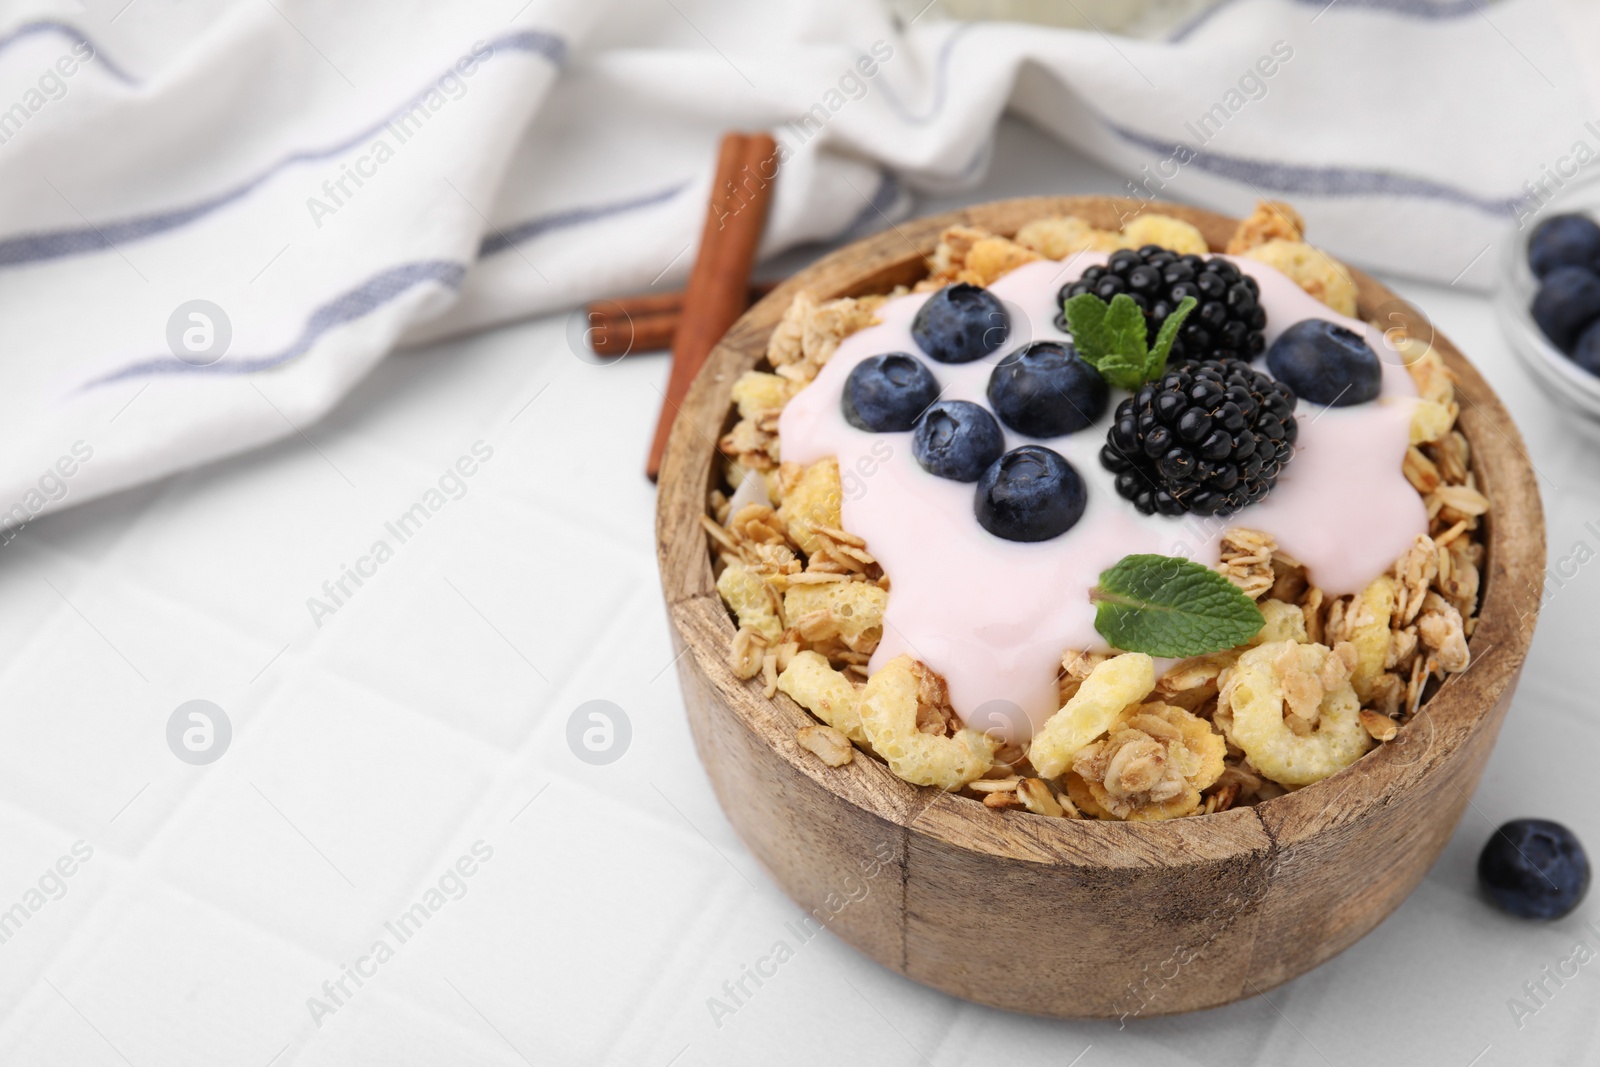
1084,918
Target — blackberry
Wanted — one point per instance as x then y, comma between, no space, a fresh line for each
1226,322
1208,438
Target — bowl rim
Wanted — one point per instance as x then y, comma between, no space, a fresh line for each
1511,589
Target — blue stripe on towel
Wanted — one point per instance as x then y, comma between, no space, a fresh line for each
941,71
383,287
71,33
348,306
519,232
1302,180
55,244
1418,9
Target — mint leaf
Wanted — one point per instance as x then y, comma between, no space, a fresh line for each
1112,337
1086,318
1127,329
1166,606
1121,371
1156,363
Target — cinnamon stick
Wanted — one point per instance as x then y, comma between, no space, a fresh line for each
719,284
629,325
614,332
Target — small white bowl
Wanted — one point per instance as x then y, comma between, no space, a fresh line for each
1574,389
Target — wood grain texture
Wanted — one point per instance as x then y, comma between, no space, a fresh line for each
1084,918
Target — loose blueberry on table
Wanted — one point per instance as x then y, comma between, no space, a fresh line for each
957,439
1326,363
885,394
961,323
1534,869
1046,389
1030,494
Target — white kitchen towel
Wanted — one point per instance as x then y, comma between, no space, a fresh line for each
216,217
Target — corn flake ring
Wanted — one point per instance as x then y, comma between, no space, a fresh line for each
1110,687
1255,695
825,693
888,709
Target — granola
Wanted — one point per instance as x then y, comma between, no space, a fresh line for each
1325,680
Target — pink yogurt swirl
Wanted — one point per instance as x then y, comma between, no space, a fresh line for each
994,616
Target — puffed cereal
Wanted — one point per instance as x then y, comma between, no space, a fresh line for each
1366,625
1284,622
850,611
1061,236
1110,687
811,502
889,709
991,258
1430,421
1256,696
1164,230
1312,270
756,392
810,682
751,600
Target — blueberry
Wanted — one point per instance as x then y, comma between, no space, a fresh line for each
961,323
1534,869
1567,301
957,439
1564,241
1046,389
1326,363
1586,353
1030,494
885,394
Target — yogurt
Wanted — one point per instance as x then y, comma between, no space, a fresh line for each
994,616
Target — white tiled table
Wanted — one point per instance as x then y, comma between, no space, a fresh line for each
429,713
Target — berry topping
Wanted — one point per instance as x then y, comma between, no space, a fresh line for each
885,394
961,323
1046,390
1030,494
957,439
1209,438
1228,322
1326,363
1566,303
1534,869
1564,241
